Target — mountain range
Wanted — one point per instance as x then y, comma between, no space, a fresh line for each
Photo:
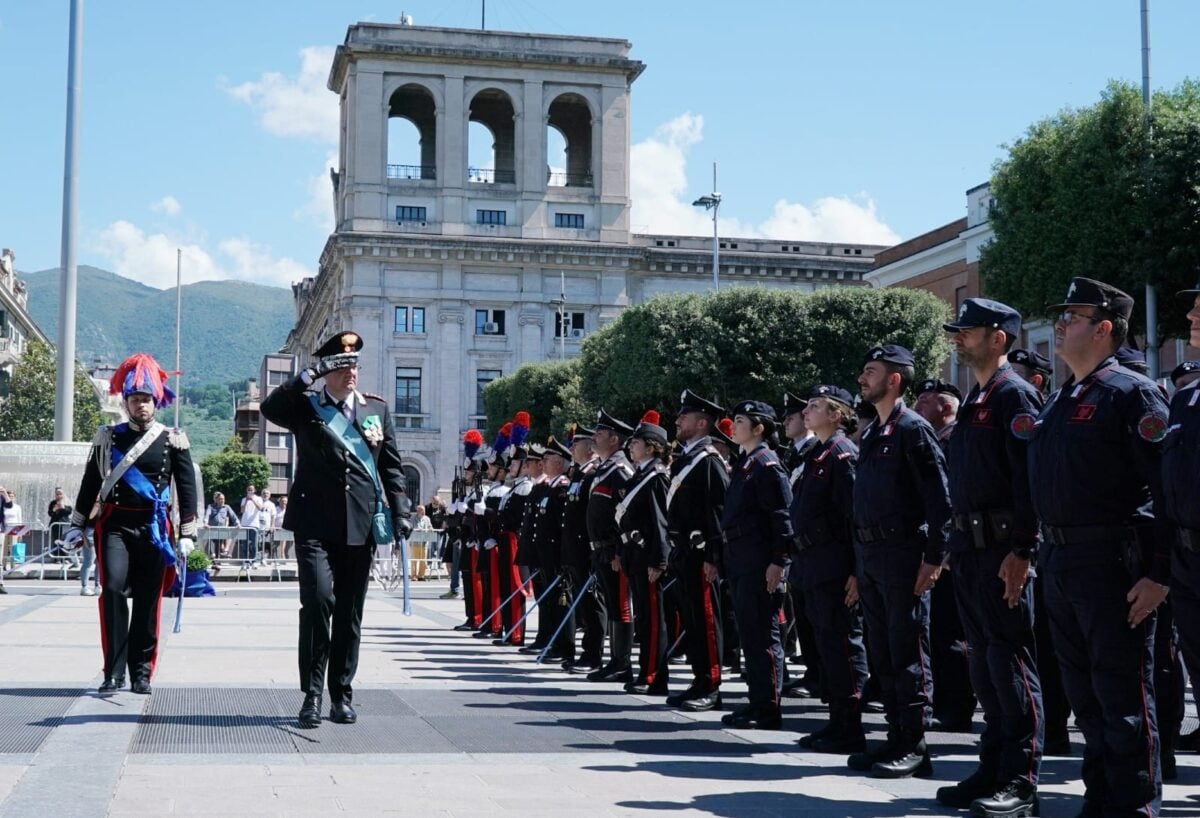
227,325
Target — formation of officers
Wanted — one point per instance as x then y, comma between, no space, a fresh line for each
1004,549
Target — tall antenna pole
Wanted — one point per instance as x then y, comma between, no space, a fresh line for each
178,327
483,15
562,314
64,399
1147,102
716,244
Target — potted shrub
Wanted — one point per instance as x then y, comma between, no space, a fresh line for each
198,583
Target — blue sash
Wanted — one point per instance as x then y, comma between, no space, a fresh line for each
349,436
142,487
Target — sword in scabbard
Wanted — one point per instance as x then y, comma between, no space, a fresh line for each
509,598
533,607
566,617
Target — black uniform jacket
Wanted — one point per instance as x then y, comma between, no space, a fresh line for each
1095,459
548,523
643,516
168,456
576,547
822,513
900,493
521,512
333,497
988,466
696,498
1181,459
611,476
755,522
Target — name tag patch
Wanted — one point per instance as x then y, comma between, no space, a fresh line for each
1084,413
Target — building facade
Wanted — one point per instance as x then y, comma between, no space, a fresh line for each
259,435
16,325
456,275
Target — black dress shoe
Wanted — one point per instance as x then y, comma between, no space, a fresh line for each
310,712
112,684
342,713
1016,799
807,741
466,626
581,667
553,656
863,761
609,673
642,689
914,761
709,701
532,650
485,634
141,687
754,719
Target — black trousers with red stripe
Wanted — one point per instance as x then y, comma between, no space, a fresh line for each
701,621
838,633
510,581
760,631
1004,674
617,604
649,621
489,560
1108,670
472,584
130,568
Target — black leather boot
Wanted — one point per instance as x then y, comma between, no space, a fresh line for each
962,795
1016,799
912,760
847,735
310,712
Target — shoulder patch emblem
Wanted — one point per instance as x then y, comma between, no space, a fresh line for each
1152,428
178,439
1023,426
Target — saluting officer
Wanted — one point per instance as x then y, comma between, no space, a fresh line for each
795,457
129,470
642,517
590,613
1095,480
994,536
695,500
348,469
612,474
758,542
901,519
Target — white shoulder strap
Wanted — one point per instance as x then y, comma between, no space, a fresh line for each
679,478
155,431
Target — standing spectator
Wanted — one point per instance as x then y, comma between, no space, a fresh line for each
4,523
220,514
420,554
14,515
266,524
59,510
251,509
277,525
448,549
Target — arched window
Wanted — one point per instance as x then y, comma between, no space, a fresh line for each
571,121
493,110
412,134
412,479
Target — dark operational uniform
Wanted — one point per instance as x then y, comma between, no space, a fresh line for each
993,517
642,517
758,533
577,561
695,501
511,518
611,476
799,637
1095,480
546,516
901,518
822,520
331,506
134,554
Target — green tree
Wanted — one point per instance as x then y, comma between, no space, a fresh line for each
752,343
229,472
539,389
1079,195
27,413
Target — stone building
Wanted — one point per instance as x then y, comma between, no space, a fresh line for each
16,325
261,436
457,272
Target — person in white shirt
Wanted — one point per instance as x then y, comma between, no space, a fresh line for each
280,511
266,521
251,510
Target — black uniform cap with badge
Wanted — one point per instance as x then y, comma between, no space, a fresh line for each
1087,292
607,422
339,351
555,447
832,393
649,429
758,412
1132,359
1032,359
792,404
689,401
1185,373
890,354
984,312
940,387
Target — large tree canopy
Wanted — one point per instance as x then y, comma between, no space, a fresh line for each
1080,195
27,413
742,343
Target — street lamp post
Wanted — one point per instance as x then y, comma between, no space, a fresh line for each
64,399
713,202
1147,101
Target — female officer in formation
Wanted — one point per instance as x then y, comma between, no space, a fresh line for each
758,542
642,516
822,513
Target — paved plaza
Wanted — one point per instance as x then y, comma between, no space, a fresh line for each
448,726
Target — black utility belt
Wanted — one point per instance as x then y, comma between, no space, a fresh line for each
744,532
881,533
634,538
599,544
1081,534
986,528
1189,538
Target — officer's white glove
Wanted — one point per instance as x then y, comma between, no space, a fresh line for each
73,538
474,544
186,544
489,544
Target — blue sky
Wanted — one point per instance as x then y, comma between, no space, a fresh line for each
206,126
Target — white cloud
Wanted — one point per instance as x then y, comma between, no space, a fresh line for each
298,105
658,183
150,258
168,205
318,209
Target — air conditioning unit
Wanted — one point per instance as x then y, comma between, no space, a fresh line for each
491,328
577,333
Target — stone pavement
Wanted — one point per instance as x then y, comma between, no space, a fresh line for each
449,726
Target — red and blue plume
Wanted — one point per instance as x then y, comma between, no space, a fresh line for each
651,417
140,373
520,428
472,441
571,427
726,427
503,438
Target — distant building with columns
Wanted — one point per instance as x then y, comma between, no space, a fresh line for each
455,274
